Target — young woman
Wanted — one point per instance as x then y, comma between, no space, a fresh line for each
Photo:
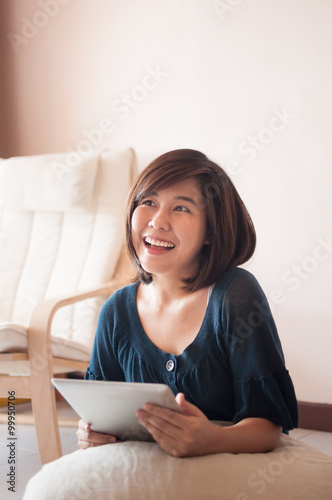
194,320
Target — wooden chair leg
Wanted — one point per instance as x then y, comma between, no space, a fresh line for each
42,392
45,417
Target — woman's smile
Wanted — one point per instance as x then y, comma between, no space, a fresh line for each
155,246
153,241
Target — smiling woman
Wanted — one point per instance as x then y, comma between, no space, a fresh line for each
163,227
186,321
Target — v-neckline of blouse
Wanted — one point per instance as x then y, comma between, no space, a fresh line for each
199,340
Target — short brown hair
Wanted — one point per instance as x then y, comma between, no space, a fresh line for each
232,236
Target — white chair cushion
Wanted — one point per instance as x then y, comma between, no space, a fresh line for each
61,185
142,471
14,338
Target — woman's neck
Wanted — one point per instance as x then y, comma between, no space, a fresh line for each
165,291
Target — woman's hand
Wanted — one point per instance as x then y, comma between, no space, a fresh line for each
180,435
88,438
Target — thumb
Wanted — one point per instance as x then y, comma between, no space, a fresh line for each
186,407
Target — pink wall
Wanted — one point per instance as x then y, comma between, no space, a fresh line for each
8,105
43,71
225,74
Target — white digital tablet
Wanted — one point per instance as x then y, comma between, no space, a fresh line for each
110,407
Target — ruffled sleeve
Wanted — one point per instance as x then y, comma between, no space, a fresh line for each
270,397
261,383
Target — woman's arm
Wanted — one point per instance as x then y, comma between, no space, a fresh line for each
251,435
192,434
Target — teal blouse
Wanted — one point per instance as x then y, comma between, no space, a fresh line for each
234,368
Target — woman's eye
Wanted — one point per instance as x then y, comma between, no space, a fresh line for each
181,208
149,203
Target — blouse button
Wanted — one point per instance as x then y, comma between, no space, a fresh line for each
170,365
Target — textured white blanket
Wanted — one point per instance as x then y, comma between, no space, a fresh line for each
142,471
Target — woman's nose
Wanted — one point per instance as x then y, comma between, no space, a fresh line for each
159,221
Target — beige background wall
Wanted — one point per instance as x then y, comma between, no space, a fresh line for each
247,82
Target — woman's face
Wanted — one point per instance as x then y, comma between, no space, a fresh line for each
169,230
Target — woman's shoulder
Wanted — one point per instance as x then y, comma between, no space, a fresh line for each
239,288
122,298
237,278
125,291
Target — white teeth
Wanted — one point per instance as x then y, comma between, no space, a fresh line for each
158,243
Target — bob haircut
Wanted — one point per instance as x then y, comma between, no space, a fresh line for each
230,230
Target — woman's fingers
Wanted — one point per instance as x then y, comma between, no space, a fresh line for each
155,419
88,438
186,407
83,426
179,434
169,419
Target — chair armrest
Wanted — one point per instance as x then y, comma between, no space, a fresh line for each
39,331
47,308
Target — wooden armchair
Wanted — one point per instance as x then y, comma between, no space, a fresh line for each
61,256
